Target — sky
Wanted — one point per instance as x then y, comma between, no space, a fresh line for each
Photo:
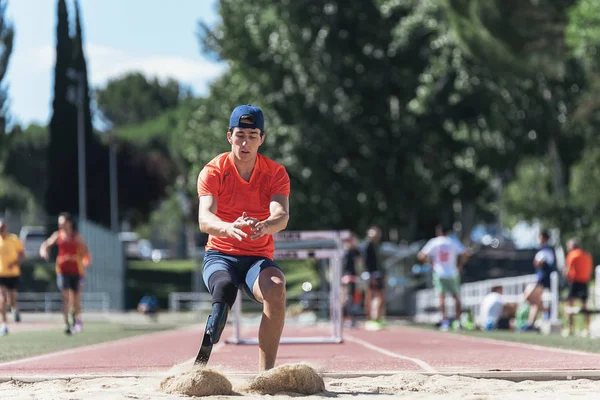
155,37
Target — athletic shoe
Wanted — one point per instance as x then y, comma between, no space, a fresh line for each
78,327
444,326
68,330
3,330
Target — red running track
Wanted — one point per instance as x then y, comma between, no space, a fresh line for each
393,349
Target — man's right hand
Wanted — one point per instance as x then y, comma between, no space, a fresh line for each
235,229
44,253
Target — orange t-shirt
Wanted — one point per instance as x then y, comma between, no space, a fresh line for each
235,196
580,265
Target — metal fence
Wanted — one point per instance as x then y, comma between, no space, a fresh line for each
107,272
473,293
52,301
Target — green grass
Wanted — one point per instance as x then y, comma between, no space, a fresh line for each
176,266
32,343
554,340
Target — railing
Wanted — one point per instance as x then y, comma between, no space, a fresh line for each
189,301
202,301
473,293
52,301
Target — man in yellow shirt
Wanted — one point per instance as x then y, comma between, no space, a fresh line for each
11,255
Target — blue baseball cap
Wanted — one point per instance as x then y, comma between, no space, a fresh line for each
250,112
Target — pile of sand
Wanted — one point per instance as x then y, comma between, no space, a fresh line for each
290,378
197,382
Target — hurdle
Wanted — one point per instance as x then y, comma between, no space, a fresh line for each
302,245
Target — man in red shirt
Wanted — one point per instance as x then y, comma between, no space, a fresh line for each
578,271
243,201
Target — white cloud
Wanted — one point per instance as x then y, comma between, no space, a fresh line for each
107,62
31,74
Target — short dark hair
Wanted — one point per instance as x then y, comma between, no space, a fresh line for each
545,234
444,228
497,288
230,130
67,216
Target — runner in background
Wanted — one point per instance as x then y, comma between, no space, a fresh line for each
578,272
448,256
350,279
375,293
71,251
12,255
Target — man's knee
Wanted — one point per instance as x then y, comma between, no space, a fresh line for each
272,288
222,288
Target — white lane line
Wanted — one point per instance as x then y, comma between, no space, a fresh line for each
97,346
388,353
525,346
499,342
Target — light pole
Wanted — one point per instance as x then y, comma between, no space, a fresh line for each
112,171
81,170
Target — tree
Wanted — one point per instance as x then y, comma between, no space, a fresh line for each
96,157
133,99
526,41
62,161
62,146
12,196
326,82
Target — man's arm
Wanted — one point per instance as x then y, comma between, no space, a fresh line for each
213,225
51,241
85,251
20,256
277,221
423,255
462,260
539,259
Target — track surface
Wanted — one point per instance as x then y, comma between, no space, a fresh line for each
394,349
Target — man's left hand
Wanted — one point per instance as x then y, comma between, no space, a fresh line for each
260,229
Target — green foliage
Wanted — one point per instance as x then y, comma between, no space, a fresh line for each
15,197
26,160
583,31
513,36
134,99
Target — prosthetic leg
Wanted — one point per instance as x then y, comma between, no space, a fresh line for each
212,333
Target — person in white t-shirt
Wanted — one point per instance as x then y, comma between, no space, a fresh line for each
490,310
447,257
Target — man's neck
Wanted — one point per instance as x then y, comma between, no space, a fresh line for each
245,169
3,235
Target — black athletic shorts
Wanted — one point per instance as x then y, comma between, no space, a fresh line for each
68,281
376,281
578,290
11,283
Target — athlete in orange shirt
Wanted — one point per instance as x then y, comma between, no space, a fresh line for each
243,201
578,271
71,252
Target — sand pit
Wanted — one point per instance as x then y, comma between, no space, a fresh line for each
292,378
197,382
404,385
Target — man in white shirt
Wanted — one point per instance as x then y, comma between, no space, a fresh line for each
490,310
447,257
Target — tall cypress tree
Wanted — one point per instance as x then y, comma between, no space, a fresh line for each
7,34
61,172
96,155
